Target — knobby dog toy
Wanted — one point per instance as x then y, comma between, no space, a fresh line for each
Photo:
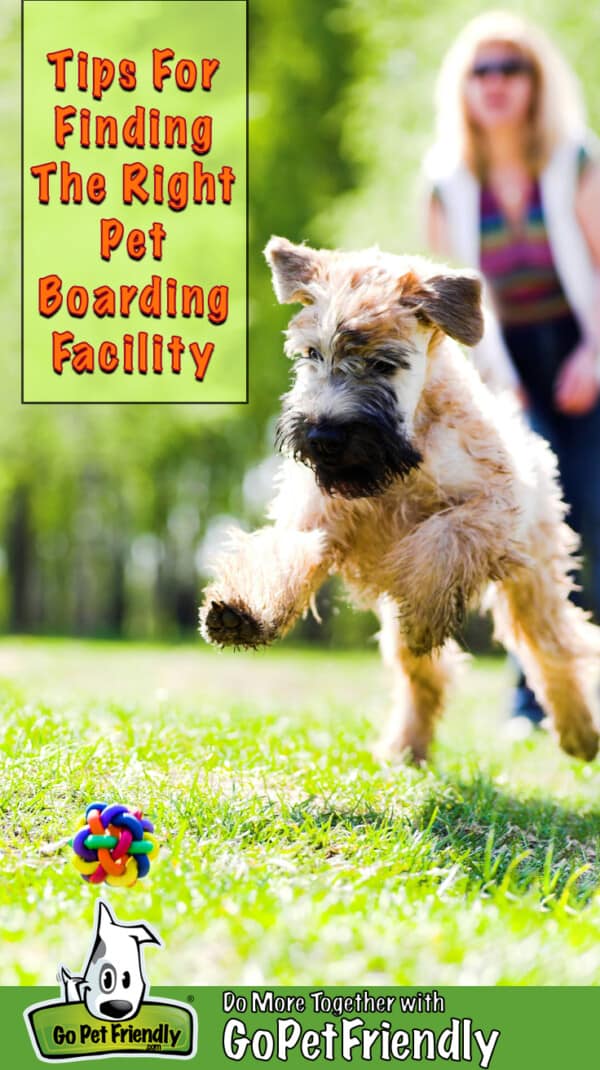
114,844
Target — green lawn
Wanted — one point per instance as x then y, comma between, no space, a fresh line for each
289,855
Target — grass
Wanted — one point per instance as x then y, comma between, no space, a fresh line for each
289,855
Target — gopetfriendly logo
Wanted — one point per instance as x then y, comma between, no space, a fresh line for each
104,1011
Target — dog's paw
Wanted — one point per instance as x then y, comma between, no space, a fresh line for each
579,739
400,751
226,625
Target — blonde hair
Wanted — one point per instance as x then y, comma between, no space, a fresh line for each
557,111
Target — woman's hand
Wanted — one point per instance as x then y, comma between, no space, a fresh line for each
577,386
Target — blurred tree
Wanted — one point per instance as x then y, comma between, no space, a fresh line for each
103,510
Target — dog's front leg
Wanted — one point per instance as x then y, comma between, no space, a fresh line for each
446,561
419,683
263,585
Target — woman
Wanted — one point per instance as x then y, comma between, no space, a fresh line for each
515,192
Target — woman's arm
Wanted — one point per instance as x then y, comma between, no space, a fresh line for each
587,207
490,356
578,384
438,238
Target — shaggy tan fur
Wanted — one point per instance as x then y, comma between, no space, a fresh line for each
483,507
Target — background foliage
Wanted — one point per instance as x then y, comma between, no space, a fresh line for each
107,513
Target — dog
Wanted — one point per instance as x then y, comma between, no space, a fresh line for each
113,984
405,475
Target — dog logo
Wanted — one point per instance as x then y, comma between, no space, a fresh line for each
113,984
112,989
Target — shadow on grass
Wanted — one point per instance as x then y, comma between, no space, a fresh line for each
489,838
534,840
495,839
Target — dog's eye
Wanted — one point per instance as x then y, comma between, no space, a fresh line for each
381,367
313,354
126,979
108,978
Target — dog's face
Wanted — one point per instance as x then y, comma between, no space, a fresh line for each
360,348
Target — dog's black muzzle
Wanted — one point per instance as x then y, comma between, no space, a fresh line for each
356,458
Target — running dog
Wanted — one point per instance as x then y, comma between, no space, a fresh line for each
404,474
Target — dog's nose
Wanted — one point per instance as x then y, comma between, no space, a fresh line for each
325,442
116,1008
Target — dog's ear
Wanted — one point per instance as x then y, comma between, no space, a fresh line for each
292,267
142,934
104,918
451,301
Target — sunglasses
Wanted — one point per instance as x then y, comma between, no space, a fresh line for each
508,68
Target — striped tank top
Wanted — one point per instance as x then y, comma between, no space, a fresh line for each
517,262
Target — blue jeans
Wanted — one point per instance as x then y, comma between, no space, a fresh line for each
576,443
538,353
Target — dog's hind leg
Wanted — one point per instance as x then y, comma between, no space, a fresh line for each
419,684
263,585
557,647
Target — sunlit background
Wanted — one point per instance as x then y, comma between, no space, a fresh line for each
109,515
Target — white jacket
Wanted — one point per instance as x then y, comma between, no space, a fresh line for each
459,192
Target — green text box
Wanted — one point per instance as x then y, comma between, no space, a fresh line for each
538,1027
204,244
